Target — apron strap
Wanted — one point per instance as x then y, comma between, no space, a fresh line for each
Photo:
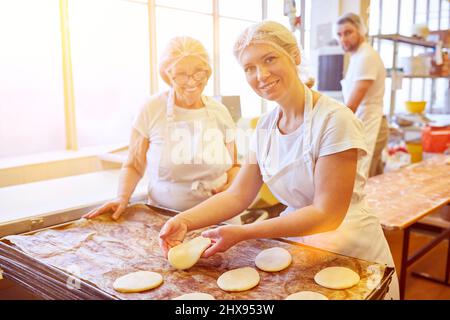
272,127
170,110
307,121
307,125
170,105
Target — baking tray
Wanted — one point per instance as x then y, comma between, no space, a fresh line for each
131,244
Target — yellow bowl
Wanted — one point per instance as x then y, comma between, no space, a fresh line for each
415,106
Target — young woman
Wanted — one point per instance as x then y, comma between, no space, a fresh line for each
307,150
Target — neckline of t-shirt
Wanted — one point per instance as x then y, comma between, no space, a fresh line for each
297,132
300,128
188,110
291,134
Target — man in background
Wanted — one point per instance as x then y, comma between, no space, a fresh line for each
363,87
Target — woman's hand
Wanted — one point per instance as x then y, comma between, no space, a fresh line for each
117,207
172,234
222,238
231,174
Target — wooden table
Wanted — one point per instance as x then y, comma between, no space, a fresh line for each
403,197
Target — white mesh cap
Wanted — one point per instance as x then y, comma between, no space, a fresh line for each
179,48
276,35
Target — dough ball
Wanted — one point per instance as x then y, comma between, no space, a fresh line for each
187,254
195,296
336,278
306,295
240,279
138,281
273,259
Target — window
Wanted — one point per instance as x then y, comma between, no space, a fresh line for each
407,17
200,6
232,79
175,22
421,12
250,10
307,26
31,96
110,49
445,15
275,11
374,17
435,14
111,61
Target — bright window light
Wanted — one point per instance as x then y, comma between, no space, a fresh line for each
204,6
110,55
171,23
31,87
247,10
232,77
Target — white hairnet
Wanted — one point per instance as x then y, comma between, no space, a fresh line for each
179,48
276,35
354,19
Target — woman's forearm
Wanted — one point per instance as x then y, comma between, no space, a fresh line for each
303,222
221,207
232,173
128,180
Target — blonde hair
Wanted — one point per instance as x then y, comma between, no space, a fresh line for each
271,33
179,48
279,37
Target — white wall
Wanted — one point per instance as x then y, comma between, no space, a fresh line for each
323,12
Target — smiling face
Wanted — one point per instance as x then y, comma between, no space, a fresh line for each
269,72
348,36
188,78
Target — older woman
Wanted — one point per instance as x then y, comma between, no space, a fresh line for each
189,137
307,150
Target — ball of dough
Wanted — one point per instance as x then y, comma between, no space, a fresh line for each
187,254
138,281
273,259
240,279
337,278
195,296
306,295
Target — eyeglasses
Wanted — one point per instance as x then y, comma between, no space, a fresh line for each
183,78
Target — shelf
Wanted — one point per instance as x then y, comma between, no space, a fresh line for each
405,39
420,77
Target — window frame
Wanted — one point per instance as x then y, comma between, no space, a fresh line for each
70,126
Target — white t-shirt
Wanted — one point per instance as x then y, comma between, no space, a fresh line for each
366,64
334,129
285,144
152,119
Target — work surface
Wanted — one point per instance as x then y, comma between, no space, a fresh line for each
101,250
402,197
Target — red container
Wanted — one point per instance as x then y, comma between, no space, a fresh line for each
435,139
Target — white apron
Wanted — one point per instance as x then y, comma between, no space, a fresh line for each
360,235
194,161
371,116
